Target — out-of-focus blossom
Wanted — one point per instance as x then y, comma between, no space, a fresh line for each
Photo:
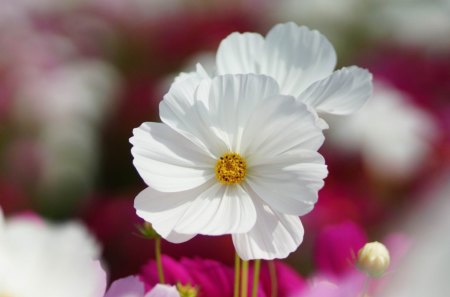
424,270
132,286
393,136
344,279
336,247
223,180
302,62
399,68
38,259
58,100
61,112
213,278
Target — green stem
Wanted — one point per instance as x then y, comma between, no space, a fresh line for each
158,260
256,269
244,278
237,271
273,279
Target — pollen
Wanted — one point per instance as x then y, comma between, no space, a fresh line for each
231,169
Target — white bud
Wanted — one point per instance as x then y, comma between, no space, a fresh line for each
373,259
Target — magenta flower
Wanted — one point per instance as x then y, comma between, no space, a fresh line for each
214,279
336,246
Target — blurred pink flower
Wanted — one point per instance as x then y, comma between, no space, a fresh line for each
132,287
216,279
336,277
129,286
336,246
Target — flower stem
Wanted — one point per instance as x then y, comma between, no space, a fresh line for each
273,279
366,287
158,260
244,278
256,269
237,271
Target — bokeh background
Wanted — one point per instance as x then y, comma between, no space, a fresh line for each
76,76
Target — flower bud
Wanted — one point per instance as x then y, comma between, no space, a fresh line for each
187,290
373,259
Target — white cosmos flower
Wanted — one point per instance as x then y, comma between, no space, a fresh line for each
302,62
41,260
232,156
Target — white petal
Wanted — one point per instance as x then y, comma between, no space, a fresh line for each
343,92
296,57
167,161
219,210
238,53
163,210
274,236
176,237
277,126
231,100
163,291
289,183
180,112
211,209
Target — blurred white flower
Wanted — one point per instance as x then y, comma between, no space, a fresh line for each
65,107
232,156
393,135
38,259
81,90
425,269
302,62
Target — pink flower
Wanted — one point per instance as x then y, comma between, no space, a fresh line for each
132,287
336,246
215,279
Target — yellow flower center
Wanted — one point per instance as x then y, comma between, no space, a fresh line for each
231,169
187,290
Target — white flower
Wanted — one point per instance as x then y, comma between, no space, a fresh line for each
232,156
42,260
393,135
302,62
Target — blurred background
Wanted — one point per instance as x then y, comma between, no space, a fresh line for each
76,76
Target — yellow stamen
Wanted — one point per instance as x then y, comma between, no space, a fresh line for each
231,169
